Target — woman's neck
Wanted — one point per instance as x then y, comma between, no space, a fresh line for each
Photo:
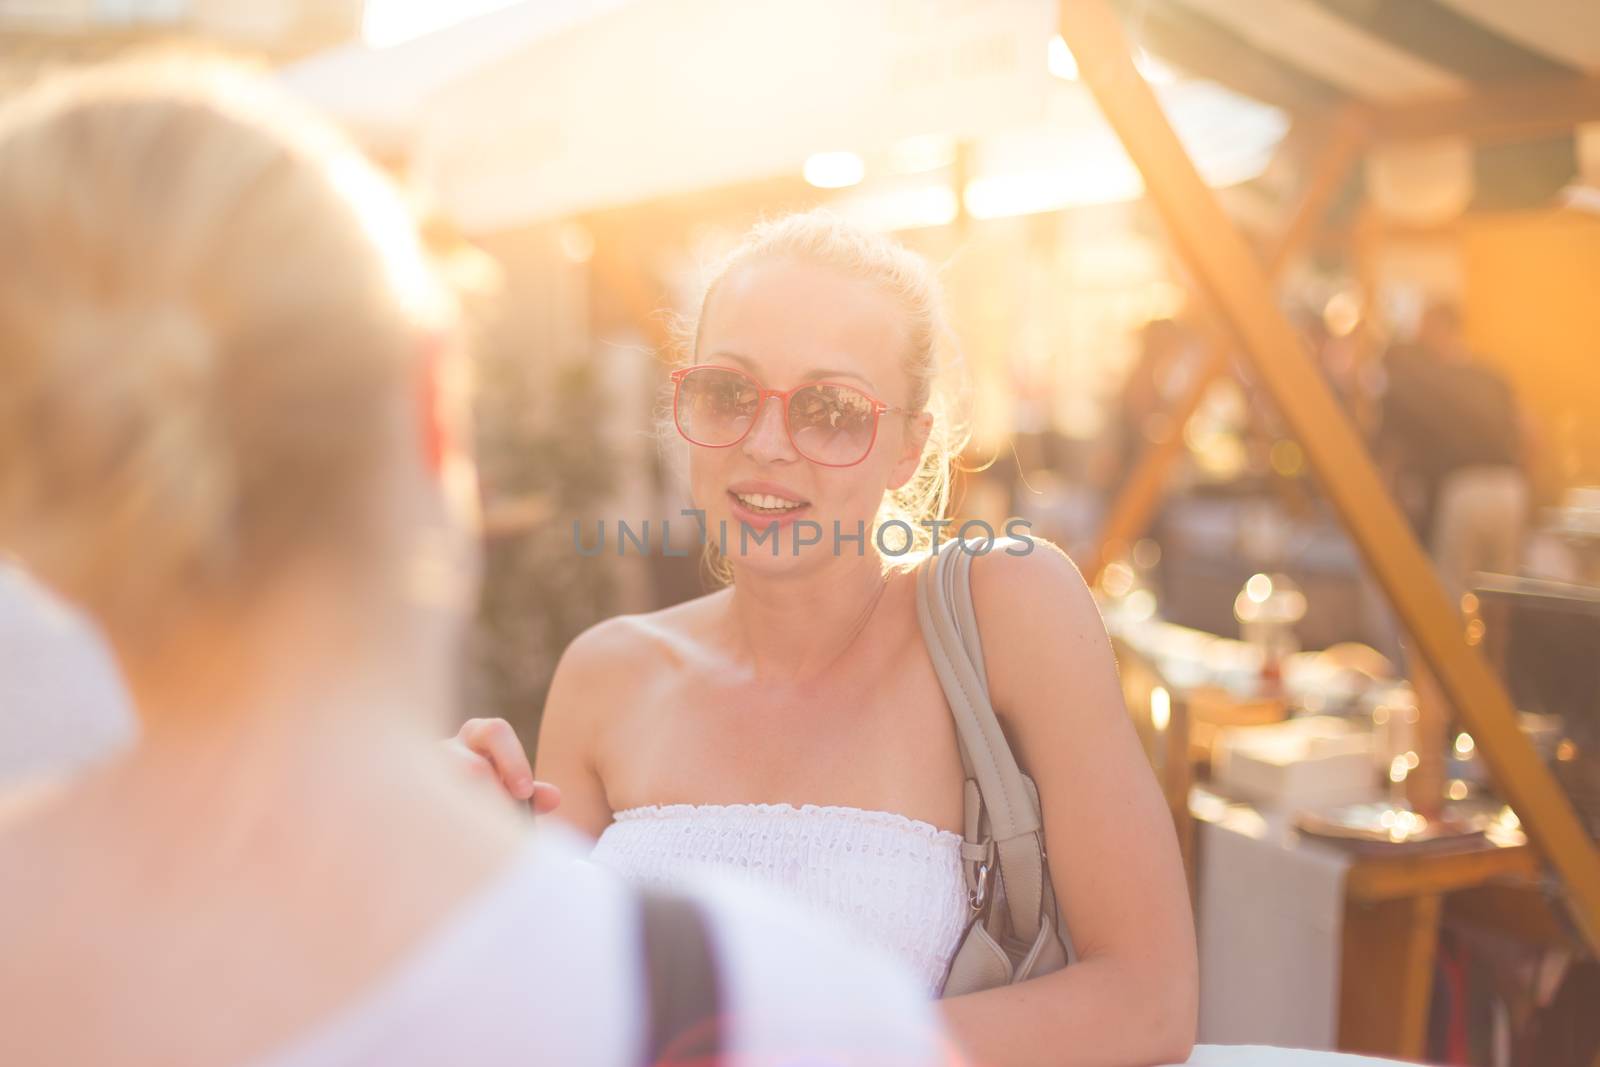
257,718
285,813
795,627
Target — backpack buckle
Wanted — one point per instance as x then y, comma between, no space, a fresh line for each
979,894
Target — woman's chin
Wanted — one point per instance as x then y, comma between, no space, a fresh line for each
775,547
787,562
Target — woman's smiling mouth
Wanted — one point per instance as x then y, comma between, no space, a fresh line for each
761,502
758,502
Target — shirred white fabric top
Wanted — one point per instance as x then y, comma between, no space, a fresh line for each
895,882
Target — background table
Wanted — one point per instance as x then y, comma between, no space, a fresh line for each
1296,932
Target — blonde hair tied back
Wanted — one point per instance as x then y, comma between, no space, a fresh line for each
211,308
149,468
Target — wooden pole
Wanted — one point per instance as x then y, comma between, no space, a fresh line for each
1222,263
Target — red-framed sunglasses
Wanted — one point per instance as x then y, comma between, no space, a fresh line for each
829,423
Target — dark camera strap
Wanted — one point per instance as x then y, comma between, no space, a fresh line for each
685,997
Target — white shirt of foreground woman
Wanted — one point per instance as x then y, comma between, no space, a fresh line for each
541,964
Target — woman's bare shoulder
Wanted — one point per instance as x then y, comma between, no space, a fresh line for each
1036,608
619,660
1007,582
661,638
43,818
24,798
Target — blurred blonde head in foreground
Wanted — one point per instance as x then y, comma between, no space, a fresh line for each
220,343
225,432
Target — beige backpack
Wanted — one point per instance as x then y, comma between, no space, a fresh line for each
1015,932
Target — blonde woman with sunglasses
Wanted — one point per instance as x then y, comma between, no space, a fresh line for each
791,725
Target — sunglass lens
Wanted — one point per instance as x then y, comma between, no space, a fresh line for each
716,407
832,424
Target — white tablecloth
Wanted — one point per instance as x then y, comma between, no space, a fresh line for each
1265,1056
1271,916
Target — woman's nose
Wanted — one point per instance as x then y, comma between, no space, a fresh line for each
768,441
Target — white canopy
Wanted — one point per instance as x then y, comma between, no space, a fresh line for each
545,109
379,93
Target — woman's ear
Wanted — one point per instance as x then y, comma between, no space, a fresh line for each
917,431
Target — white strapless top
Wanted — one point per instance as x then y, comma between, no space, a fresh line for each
896,882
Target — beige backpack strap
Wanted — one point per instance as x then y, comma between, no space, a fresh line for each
1005,827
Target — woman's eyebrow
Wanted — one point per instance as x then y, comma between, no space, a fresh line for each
814,375
809,376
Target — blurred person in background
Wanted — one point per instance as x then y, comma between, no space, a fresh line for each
1456,446
230,431
791,725
1168,361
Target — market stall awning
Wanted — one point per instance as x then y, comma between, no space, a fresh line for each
1485,61
1309,54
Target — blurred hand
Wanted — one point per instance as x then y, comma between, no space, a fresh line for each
489,749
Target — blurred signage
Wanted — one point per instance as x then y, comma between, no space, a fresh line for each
667,96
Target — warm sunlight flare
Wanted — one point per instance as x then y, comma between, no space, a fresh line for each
834,170
1160,708
390,22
